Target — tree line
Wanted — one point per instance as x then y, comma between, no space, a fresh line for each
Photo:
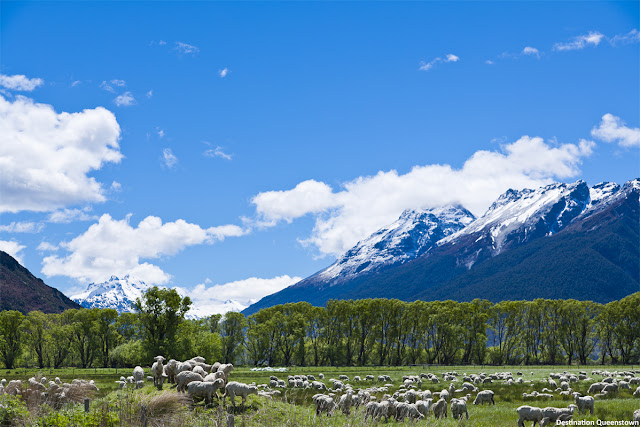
343,333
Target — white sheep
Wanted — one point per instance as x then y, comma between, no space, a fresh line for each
199,370
345,402
529,413
235,388
440,408
174,367
226,368
407,410
386,409
370,410
318,385
484,396
637,392
324,403
555,413
184,378
205,389
424,406
157,370
458,407
584,403
444,394
636,416
610,388
138,374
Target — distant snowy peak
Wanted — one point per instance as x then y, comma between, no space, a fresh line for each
413,234
117,293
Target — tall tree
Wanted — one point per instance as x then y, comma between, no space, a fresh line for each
10,336
35,330
232,333
107,333
160,311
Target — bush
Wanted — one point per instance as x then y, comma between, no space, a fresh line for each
12,411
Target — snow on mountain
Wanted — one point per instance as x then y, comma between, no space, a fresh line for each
117,293
413,234
518,216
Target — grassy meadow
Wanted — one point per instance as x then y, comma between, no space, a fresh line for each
114,407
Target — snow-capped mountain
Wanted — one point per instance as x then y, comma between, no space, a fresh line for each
411,235
525,244
117,293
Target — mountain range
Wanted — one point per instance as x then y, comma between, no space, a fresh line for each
558,241
22,291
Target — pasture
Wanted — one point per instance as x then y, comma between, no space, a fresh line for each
294,407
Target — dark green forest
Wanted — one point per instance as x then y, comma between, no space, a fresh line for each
343,333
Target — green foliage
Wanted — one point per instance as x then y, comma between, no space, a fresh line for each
76,417
10,337
129,354
12,410
160,312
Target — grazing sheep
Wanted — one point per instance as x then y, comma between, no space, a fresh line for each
370,410
184,378
440,408
205,389
345,402
227,368
610,388
407,410
444,394
369,378
157,370
484,396
637,392
555,413
321,376
458,407
235,388
324,403
139,384
529,413
584,403
386,409
138,374
424,406
199,370
636,416
318,385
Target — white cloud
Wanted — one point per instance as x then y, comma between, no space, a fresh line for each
532,51
367,203
426,66
116,187
114,247
124,100
66,216
46,247
185,48
632,36
150,94
580,42
22,227
45,157
170,160
109,85
76,83
217,152
489,62
234,296
13,248
223,73
20,82
160,132
613,129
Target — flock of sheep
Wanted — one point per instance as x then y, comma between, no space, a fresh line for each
203,381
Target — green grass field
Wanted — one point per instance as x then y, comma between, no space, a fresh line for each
294,407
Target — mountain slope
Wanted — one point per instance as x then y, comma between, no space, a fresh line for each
559,241
22,291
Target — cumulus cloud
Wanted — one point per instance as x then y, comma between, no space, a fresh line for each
613,129
114,247
532,51
426,66
185,48
66,216
124,100
580,42
223,73
13,248
22,227
217,152
233,296
20,82
45,157
170,160
46,247
342,218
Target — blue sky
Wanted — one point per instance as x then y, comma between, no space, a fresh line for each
265,138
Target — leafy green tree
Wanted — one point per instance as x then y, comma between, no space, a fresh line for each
84,335
107,333
232,333
61,333
35,330
160,311
10,336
